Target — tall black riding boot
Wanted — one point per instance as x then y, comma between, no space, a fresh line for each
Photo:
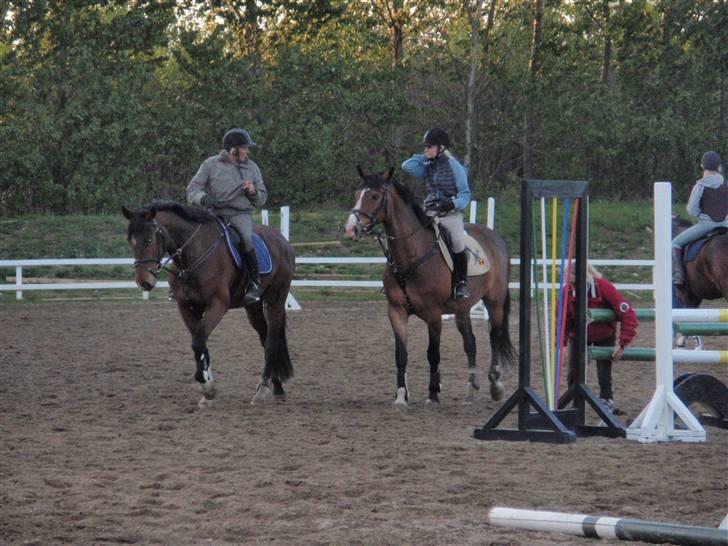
678,270
253,291
460,266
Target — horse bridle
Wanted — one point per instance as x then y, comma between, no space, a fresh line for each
372,217
161,239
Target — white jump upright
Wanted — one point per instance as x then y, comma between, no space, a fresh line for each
656,423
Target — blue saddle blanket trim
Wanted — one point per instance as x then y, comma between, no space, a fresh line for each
265,263
692,249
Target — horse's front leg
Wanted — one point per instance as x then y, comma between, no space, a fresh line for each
201,322
434,331
398,320
465,327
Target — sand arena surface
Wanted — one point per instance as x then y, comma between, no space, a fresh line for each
101,441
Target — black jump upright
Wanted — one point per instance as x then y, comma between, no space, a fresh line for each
544,425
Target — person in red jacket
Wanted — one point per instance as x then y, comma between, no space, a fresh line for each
602,294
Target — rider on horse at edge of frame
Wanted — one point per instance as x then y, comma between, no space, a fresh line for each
230,185
448,193
708,202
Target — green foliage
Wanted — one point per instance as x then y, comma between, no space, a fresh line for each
109,102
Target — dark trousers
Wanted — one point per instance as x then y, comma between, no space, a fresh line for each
604,368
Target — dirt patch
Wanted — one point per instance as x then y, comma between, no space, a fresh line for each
101,441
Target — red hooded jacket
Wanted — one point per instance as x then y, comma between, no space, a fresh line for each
603,295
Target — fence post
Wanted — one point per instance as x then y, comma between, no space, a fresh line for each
19,281
286,222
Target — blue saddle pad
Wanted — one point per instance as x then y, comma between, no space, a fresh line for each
692,249
265,263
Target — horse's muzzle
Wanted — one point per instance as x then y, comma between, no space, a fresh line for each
353,228
145,280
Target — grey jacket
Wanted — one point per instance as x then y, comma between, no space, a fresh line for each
223,181
696,195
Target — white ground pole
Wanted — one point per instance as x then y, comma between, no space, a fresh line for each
656,423
478,310
607,527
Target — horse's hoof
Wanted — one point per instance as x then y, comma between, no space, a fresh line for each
208,391
261,394
432,403
470,391
279,397
497,390
401,401
680,341
205,403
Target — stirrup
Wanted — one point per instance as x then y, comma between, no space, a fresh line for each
253,293
461,292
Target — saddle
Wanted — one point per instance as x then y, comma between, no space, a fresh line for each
478,262
232,240
693,249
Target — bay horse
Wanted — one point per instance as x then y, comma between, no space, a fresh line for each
417,281
206,283
706,276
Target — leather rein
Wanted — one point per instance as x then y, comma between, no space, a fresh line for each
161,238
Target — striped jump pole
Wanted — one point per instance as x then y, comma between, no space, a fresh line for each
608,527
646,354
678,315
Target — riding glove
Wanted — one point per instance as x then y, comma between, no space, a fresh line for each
446,205
208,202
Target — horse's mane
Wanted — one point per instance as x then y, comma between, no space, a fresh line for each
376,180
187,212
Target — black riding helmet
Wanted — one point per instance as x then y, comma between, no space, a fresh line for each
237,137
436,137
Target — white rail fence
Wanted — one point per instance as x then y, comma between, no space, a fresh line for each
19,286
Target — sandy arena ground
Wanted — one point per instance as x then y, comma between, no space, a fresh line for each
101,441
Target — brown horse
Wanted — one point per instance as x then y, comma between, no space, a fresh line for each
417,281
206,283
706,277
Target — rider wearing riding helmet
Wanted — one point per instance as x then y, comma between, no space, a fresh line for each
709,203
230,185
448,193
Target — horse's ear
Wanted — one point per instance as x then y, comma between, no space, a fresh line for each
361,172
151,213
387,176
126,212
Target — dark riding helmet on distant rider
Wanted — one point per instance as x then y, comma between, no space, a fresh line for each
711,161
235,138
436,137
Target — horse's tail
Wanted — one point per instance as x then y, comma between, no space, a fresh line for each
500,338
278,355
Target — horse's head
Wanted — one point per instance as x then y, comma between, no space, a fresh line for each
145,237
371,203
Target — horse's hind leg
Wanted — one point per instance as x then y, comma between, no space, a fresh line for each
256,317
500,343
465,327
269,319
434,330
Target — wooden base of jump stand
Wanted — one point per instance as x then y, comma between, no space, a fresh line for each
536,421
